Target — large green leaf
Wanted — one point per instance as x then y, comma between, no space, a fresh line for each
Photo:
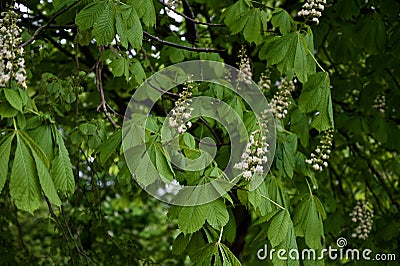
253,29
104,26
316,97
61,168
191,219
46,182
308,221
110,146
24,184
89,15
218,215
282,20
287,52
14,99
145,10
278,229
5,149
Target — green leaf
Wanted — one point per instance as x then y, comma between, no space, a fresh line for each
253,28
145,10
14,99
103,28
192,218
228,257
24,184
308,221
46,182
287,52
110,146
289,153
300,60
181,242
121,27
278,229
61,168
89,15
218,215
299,125
5,149
282,20
138,72
87,129
316,97
234,16
134,32
7,111
119,67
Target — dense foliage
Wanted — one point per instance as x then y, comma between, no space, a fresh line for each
330,69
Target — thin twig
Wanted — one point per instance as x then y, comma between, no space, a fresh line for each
44,26
99,84
273,202
189,48
189,18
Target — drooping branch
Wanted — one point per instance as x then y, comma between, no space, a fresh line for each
189,48
47,24
189,18
99,84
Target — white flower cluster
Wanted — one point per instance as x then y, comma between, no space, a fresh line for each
12,63
380,103
254,156
363,216
312,9
319,159
280,102
245,73
180,114
265,83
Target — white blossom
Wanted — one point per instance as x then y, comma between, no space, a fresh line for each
12,64
245,72
363,215
182,111
255,153
319,157
280,102
312,9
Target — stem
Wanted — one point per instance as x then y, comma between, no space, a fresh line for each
273,202
316,60
220,236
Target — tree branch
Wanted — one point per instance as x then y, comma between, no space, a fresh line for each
194,49
189,18
44,26
99,84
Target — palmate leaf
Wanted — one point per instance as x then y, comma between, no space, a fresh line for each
281,19
145,10
191,219
278,229
89,15
287,52
307,220
316,97
24,184
46,182
61,168
14,99
104,26
218,215
5,149
227,256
